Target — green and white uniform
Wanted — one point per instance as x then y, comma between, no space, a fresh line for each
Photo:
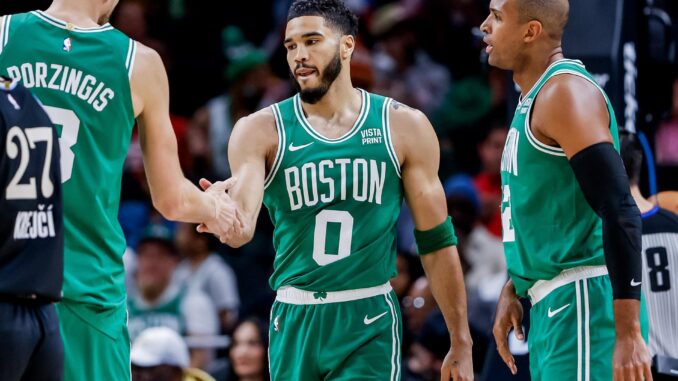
81,75
554,249
334,204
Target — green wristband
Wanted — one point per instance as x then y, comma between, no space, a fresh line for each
437,238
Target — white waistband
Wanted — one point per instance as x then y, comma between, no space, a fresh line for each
544,287
292,295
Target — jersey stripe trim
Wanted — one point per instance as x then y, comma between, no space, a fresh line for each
539,146
579,333
587,339
280,153
398,338
131,57
541,78
364,111
5,32
394,339
64,25
386,127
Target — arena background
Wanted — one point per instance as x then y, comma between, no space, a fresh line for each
225,60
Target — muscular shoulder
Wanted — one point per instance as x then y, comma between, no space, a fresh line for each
412,131
147,63
570,112
149,84
257,132
567,96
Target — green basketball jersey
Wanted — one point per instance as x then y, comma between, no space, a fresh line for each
81,75
334,202
167,314
548,226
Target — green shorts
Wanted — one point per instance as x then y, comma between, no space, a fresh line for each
345,335
96,342
572,331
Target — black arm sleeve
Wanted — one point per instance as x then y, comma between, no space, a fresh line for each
601,176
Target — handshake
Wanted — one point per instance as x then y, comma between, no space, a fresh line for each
227,223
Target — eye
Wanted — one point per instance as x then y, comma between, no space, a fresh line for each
311,42
291,47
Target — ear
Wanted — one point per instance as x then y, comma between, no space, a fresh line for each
347,46
533,31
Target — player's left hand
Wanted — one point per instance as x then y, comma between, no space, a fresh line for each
458,364
631,360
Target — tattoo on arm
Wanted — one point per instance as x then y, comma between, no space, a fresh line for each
396,105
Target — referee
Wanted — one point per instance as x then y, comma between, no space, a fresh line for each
31,239
660,268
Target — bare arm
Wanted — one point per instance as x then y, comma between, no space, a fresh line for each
173,195
252,144
417,146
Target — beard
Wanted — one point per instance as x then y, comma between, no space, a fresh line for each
314,94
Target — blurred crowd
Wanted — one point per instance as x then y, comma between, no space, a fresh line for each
200,310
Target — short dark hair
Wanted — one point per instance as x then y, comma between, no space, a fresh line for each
334,12
553,14
632,156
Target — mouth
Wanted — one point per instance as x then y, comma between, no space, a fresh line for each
488,48
305,73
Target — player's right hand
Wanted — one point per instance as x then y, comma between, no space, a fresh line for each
631,360
227,221
509,316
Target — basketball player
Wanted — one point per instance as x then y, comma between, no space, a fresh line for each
32,241
94,81
660,266
332,165
568,217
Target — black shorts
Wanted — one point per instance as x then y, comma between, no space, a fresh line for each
30,342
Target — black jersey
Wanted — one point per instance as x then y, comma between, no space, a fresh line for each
31,221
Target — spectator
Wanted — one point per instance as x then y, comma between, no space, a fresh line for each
252,86
403,70
206,271
154,300
159,353
488,181
249,361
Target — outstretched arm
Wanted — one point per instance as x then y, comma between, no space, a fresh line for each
252,144
572,113
417,146
173,195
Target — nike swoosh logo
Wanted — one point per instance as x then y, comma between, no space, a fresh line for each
293,148
553,313
634,283
369,321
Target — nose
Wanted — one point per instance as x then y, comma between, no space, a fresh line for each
301,54
485,26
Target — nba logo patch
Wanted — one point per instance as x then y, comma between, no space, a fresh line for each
276,324
67,44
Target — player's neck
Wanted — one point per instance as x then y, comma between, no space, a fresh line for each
341,96
83,14
643,204
528,72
